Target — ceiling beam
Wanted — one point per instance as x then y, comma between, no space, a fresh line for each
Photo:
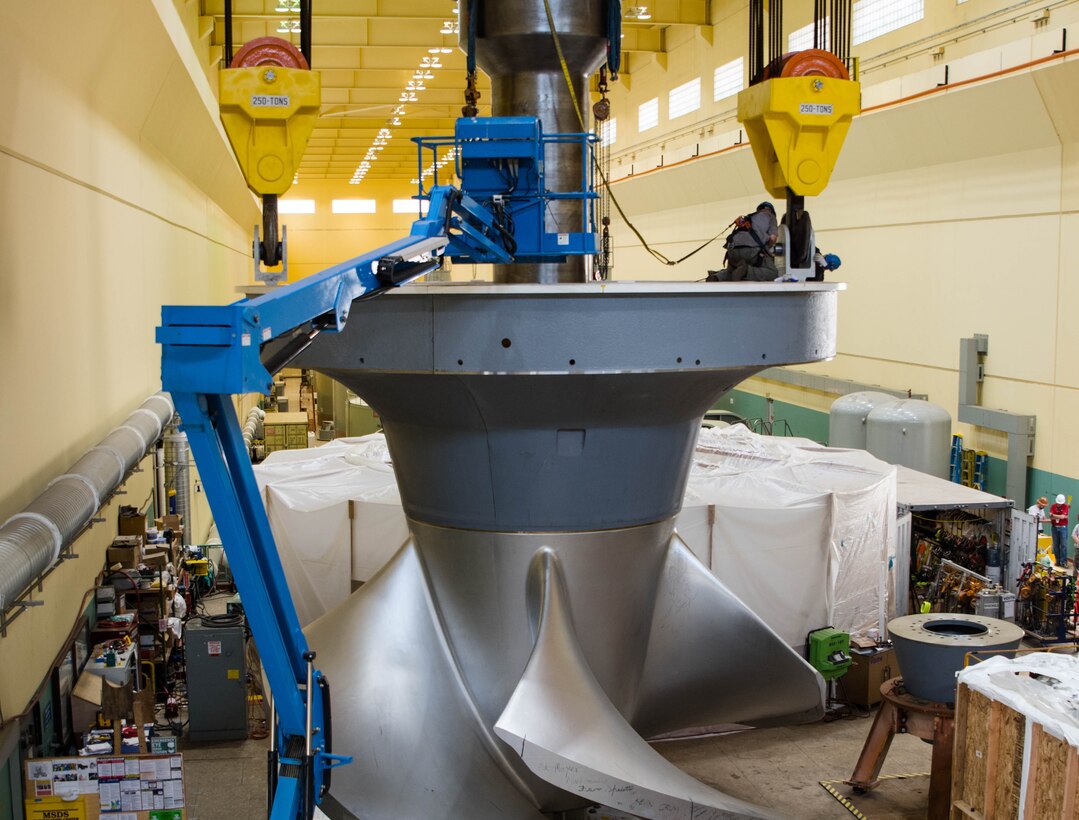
394,78
649,40
669,13
406,9
348,31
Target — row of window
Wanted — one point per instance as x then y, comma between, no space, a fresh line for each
346,206
872,18
727,80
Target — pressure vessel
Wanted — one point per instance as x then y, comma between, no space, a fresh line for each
911,432
847,415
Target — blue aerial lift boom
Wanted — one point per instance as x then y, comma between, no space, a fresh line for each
211,353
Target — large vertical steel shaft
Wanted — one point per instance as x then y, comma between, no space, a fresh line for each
515,46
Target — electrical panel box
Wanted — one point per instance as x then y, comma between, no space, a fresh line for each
216,682
829,652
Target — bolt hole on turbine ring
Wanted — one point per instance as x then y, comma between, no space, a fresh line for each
507,343
572,362
460,361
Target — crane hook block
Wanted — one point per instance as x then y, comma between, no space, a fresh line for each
269,111
796,126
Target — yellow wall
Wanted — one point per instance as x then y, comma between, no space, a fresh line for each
954,214
317,241
322,239
117,194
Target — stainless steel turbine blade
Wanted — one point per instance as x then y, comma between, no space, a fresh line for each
567,731
557,418
403,712
705,641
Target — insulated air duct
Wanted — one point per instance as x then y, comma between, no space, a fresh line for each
31,540
253,426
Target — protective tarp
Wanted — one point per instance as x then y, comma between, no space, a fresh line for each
1044,687
803,534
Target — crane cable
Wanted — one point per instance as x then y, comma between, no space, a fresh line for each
658,255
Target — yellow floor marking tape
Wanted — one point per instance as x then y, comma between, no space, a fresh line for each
829,786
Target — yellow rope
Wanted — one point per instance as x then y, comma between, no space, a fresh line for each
658,255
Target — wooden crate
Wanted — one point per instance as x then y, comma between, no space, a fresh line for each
991,762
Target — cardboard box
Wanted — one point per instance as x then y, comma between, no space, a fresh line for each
126,557
868,670
131,522
157,558
126,550
170,522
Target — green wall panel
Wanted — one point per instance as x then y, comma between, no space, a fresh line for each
803,421
7,799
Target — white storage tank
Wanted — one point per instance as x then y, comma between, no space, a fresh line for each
911,432
847,416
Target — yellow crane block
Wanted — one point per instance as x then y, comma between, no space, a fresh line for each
796,126
268,113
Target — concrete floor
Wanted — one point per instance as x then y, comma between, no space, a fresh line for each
782,768
777,768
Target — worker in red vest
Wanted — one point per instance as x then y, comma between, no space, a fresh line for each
1058,520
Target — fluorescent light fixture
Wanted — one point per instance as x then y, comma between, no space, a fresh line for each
409,206
295,206
353,206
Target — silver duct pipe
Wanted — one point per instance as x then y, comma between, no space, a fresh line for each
161,500
253,427
31,540
178,477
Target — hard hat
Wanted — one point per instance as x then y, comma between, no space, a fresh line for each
1043,501
767,205
1061,499
832,261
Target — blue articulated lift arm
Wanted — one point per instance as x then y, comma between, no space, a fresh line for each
208,354
211,353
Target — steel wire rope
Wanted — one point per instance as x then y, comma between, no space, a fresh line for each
658,255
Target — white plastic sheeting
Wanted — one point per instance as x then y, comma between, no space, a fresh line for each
805,535
1044,687
802,533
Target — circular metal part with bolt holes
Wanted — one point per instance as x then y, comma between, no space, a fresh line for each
932,648
521,407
